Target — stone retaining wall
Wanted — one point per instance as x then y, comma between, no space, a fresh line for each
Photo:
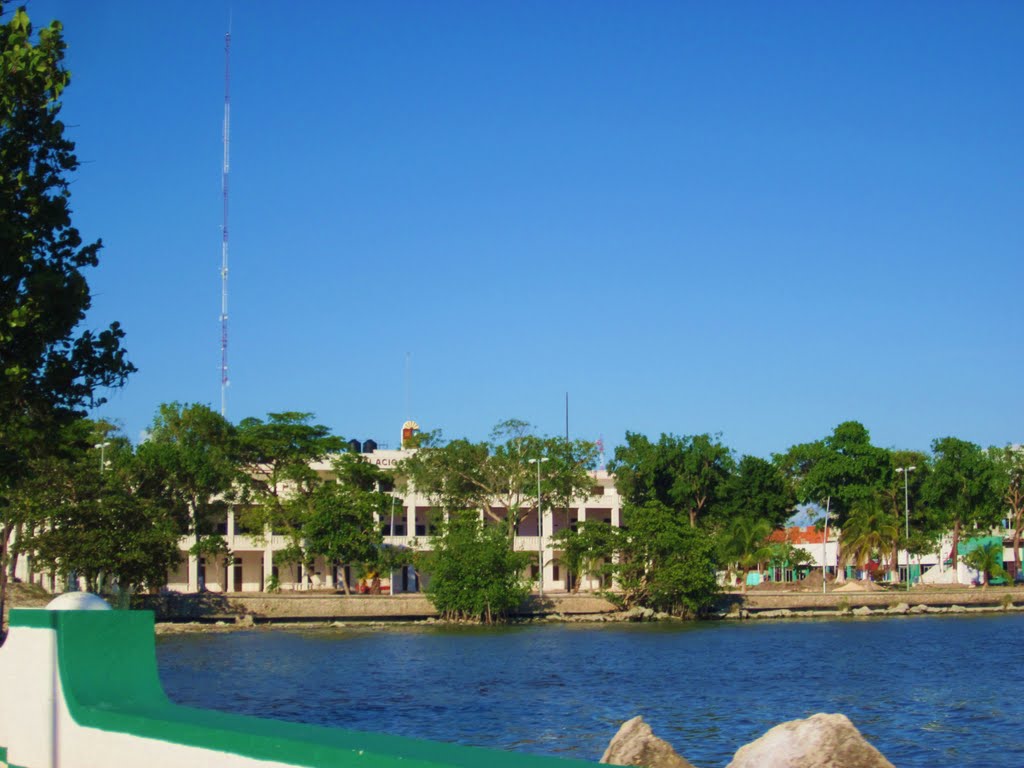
809,601
334,607
337,607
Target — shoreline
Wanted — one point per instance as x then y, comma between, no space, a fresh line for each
214,612
168,628
285,611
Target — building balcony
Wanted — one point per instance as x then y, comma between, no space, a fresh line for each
419,543
526,543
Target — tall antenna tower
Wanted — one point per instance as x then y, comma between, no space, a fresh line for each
224,231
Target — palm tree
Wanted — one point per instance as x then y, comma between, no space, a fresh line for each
986,558
868,530
746,544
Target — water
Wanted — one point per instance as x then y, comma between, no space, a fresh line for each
925,690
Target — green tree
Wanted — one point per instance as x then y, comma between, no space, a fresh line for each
685,474
474,575
665,563
784,554
897,499
189,463
340,525
278,476
843,468
1009,485
51,368
757,488
961,489
744,543
986,559
587,550
89,519
869,530
496,476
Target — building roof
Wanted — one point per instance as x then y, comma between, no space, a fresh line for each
800,534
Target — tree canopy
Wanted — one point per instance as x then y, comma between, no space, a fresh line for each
277,472
665,563
1008,474
52,368
190,461
85,515
473,572
685,474
496,477
757,489
339,523
961,488
843,467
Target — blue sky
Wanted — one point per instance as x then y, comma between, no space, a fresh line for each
760,219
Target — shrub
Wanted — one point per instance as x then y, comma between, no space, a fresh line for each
666,564
473,572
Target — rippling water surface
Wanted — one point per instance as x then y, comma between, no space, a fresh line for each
927,691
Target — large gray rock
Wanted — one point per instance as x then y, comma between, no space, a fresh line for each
636,744
820,741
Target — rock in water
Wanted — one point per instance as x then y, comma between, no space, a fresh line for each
636,744
820,741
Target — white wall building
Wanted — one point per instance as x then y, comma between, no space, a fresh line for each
408,526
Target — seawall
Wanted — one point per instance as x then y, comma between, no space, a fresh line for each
323,607
928,600
264,607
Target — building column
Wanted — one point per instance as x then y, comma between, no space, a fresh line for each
410,518
268,559
230,586
617,523
193,573
548,571
329,575
581,518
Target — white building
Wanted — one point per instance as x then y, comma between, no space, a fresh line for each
408,526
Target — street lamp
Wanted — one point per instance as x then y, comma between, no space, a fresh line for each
102,449
824,547
905,471
540,531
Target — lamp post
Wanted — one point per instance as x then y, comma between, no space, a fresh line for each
824,548
102,448
905,471
540,531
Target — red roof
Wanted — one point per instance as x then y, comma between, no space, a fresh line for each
799,535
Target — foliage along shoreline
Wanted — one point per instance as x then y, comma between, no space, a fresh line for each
614,619
730,607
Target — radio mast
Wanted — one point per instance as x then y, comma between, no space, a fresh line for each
224,232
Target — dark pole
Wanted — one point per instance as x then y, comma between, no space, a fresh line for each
566,418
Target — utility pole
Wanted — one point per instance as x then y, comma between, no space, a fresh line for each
224,231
